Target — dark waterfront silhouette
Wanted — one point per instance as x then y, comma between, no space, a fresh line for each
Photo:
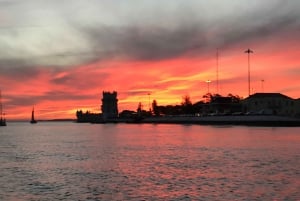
263,109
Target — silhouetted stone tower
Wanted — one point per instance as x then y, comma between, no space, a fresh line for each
109,105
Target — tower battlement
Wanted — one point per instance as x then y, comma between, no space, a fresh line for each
109,105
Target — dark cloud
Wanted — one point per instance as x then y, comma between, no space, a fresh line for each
27,100
63,95
156,42
81,79
144,43
137,92
18,70
278,28
76,35
21,100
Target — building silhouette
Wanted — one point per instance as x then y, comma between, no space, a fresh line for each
272,103
109,105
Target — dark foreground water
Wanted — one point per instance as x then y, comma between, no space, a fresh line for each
68,161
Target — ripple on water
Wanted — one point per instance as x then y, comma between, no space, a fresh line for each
130,165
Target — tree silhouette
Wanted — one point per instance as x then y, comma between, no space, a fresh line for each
186,101
187,106
155,108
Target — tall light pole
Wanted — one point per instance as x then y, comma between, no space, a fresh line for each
208,81
248,52
217,73
262,85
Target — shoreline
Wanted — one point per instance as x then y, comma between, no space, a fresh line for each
251,120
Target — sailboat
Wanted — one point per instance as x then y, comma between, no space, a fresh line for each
33,121
2,117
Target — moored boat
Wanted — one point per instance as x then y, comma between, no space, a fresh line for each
2,115
33,121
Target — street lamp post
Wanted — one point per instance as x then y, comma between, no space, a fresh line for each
208,81
248,52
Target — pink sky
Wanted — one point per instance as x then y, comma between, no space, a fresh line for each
168,55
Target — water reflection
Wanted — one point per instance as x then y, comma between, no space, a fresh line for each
67,161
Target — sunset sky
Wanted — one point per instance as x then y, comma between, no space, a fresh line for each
59,55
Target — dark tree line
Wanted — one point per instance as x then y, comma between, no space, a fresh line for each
212,103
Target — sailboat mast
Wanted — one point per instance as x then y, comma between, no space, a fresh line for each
32,114
0,105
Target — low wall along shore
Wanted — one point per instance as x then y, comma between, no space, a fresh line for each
255,120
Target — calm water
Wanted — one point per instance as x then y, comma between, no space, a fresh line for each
68,161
